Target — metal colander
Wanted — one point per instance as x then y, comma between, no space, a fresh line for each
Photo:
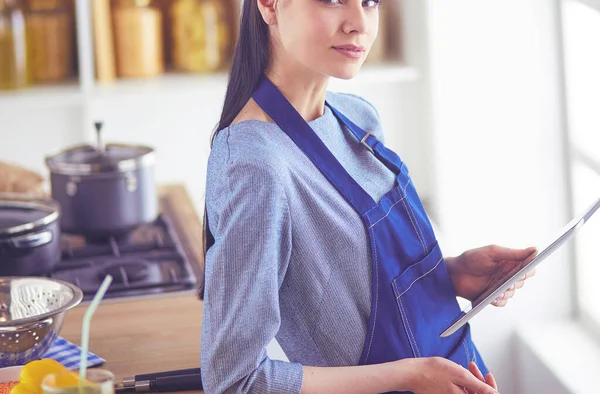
32,311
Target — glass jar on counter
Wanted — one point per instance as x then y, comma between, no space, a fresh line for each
14,73
200,35
50,40
137,27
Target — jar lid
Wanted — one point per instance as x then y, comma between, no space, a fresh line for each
86,160
20,213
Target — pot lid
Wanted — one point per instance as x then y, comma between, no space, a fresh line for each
87,159
82,160
19,213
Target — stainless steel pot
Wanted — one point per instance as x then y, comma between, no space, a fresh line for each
29,235
104,190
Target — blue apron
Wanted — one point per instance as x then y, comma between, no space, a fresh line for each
413,298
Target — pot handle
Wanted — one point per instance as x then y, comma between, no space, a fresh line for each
34,240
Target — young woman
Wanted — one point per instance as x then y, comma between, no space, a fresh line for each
315,233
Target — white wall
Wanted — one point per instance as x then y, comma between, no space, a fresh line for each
499,155
539,380
29,133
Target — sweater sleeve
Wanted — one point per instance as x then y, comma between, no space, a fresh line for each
250,222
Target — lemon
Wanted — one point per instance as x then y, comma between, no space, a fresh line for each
70,379
34,372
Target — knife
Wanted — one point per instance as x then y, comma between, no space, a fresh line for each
178,380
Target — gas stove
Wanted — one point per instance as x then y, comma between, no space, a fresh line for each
148,261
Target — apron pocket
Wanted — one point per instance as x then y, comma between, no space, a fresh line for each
427,303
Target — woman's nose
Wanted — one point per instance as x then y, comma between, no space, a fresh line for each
355,20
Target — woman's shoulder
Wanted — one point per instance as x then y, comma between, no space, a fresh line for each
352,102
250,143
358,110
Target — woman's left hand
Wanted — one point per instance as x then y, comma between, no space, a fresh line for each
474,270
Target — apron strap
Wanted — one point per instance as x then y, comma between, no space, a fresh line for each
274,103
371,142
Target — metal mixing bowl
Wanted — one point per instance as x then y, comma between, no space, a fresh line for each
32,311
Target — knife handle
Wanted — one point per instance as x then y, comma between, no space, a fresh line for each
152,376
177,383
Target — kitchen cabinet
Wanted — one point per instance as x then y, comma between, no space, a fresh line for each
177,112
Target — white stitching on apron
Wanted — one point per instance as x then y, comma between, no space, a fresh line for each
414,228
376,289
419,227
420,277
412,336
466,350
405,324
394,204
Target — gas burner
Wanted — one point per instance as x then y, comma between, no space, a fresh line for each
149,260
126,272
102,239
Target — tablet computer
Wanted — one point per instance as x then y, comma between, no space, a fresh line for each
510,278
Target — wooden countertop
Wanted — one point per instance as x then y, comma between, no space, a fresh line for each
154,334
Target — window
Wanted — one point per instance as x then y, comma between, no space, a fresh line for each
581,29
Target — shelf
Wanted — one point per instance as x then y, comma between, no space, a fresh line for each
179,84
67,95
36,97
163,84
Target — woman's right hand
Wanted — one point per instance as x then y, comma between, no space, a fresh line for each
436,375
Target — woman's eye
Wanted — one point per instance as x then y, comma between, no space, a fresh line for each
366,3
371,3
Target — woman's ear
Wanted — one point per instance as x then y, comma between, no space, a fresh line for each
268,10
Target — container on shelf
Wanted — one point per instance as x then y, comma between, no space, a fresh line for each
137,26
50,39
200,35
14,71
104,48
165,8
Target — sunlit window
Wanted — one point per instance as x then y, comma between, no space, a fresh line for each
582,60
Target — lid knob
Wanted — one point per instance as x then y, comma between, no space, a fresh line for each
100,144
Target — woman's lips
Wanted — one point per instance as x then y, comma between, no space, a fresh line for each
351,51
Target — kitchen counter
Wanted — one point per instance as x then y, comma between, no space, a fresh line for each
150,334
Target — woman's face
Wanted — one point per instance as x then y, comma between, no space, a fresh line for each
331,37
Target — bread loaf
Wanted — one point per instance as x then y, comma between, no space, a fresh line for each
17,179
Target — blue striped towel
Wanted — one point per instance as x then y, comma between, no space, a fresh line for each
68,354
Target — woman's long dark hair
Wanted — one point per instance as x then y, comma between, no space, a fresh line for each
250,61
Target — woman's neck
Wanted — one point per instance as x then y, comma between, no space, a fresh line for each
304,89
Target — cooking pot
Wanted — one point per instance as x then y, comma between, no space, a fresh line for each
104,190
29,235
